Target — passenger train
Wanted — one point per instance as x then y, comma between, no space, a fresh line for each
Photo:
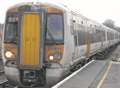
43,42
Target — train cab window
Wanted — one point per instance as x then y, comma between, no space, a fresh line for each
11,30
55,27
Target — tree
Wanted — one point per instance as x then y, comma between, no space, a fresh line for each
109,23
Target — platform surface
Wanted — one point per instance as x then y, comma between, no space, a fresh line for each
91,76
112,80
85,77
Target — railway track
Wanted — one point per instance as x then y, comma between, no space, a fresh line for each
3,80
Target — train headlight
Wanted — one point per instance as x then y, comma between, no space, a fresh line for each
8,54
51,57
55,57
54,53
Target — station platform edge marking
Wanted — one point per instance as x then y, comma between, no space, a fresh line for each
104,76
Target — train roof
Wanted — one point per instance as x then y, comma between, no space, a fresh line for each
60,6
41,4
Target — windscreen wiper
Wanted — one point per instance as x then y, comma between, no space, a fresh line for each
51,36
10,42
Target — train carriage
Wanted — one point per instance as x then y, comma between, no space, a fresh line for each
43,42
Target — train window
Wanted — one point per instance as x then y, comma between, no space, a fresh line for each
109,36
90,25
81,36
98,35
55,27
75,40
11,31
93,35
81,22
102,35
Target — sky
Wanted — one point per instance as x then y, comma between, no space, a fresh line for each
98,10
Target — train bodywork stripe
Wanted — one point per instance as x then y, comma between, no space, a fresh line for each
30,40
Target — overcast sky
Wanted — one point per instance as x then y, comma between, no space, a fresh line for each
98,10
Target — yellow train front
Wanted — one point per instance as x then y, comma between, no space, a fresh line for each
32,43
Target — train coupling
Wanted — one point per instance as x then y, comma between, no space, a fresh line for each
33,77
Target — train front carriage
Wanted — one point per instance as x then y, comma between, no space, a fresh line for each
33,41
44,42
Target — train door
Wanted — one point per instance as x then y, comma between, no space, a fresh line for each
88,41
31,40
75,39
102,39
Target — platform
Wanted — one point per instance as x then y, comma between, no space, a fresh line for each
85,77
112,79
98,74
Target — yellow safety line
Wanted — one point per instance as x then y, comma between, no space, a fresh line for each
104,76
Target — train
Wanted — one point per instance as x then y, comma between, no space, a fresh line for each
1,30
43,42
1,61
